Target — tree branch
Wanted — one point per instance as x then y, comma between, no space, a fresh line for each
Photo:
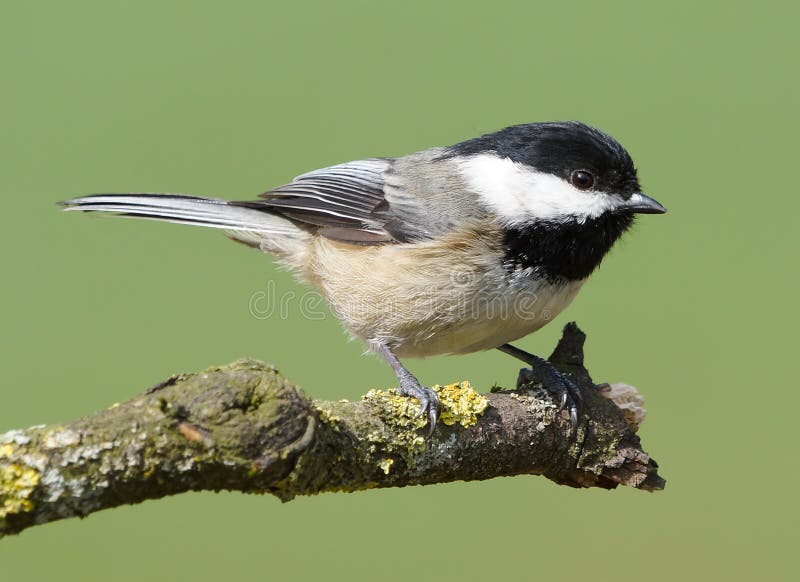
244,427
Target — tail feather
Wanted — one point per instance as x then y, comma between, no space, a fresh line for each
254,227
182,209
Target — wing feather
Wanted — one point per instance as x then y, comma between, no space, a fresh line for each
377,200
340,199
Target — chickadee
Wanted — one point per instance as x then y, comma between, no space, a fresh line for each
448,250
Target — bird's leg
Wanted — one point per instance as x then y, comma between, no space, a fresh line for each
410,386
542,372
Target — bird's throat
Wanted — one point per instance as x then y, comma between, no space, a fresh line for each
566,250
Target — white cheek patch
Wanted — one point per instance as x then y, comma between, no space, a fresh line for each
518,194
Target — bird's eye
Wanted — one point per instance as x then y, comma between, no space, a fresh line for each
582,179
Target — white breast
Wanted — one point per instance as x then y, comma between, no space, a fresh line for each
492,317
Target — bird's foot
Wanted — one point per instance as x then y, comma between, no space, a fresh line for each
565,392
428,399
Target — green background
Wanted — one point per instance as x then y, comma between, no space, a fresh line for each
227,99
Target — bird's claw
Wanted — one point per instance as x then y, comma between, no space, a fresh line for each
428,401
566,393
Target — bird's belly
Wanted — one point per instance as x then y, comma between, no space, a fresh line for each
424,300
489,323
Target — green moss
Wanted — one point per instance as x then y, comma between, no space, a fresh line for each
16,486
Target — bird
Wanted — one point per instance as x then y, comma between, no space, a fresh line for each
448,250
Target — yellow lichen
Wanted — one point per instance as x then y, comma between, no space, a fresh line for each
6,450
401,411
327,416
399,415
16,486
386,465
460,404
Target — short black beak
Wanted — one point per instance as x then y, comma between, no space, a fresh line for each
643,204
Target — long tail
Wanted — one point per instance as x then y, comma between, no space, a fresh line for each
249,225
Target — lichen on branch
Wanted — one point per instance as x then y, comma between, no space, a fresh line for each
244,427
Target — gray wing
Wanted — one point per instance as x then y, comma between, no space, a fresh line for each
426,196
338,202
374,201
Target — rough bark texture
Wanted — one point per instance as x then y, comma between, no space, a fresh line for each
244,427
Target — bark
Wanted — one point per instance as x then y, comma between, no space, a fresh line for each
244,427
